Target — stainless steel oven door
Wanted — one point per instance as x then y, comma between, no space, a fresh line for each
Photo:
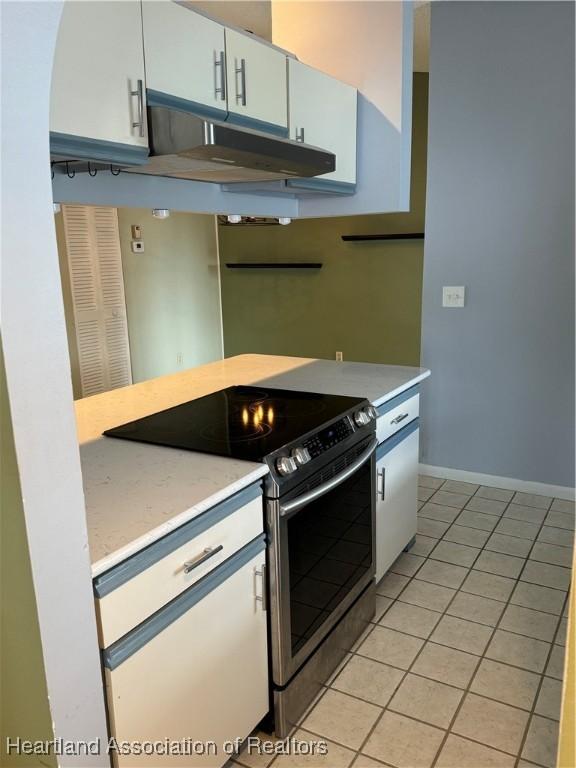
321,555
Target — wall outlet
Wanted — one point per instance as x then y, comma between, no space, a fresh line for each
137,246
339,357
136,232
453,295
179,358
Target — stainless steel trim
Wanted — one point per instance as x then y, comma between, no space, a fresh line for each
220,63
209,552
139,93
306,498
241,70
299,135
279,603
399,418
263,597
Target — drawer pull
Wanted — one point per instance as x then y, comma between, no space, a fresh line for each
382,489
400,418
209,552
263,598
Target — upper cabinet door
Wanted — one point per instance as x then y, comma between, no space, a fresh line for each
257,88
97,93
323,113
185,59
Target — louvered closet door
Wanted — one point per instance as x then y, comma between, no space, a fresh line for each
95,265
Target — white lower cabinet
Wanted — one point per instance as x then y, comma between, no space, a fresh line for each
396,496
196,672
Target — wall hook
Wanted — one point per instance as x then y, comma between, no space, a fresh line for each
70,175
115,172
92,172
52,169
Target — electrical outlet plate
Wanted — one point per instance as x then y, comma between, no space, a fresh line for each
453,295
137,246
339,357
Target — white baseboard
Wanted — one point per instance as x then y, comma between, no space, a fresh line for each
508,483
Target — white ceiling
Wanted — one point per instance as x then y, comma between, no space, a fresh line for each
256,16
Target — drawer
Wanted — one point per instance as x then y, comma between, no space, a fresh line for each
133,590
397,413
195,670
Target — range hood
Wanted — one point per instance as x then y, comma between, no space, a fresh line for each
185,146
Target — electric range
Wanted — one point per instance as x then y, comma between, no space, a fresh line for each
319,508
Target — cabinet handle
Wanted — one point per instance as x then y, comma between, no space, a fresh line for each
219,64
209,552
400,418
139,93
299,135
241,94
382,483
263,597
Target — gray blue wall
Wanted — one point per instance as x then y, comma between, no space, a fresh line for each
500,220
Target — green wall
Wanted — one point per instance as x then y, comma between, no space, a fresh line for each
24,709
172,292
365,301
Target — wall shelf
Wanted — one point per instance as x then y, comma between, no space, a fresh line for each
403,236
274,265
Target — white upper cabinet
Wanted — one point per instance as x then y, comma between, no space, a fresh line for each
185,59
97,97
257,87
323,114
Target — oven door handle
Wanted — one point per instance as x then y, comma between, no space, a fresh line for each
306,498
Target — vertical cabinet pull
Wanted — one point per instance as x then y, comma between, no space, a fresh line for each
299,135
382,490
139,93
220,75
241,92
262,598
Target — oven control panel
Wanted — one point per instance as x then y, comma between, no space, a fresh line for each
329,437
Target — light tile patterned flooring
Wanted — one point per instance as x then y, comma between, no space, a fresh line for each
463,663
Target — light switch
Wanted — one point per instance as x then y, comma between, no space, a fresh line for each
453,295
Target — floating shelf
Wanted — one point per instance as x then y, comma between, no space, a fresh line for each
274,265
403,236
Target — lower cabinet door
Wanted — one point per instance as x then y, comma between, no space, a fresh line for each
396,497
200,681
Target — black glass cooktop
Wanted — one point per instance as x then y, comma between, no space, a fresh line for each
241,422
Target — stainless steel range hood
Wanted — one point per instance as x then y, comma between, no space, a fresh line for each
188,147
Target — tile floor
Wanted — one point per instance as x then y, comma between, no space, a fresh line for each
462,665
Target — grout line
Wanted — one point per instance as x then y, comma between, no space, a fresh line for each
425,641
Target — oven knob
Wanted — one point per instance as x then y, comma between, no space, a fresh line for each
361,418
301,456
372,412
286,465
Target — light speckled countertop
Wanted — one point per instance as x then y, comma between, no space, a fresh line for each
136,493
